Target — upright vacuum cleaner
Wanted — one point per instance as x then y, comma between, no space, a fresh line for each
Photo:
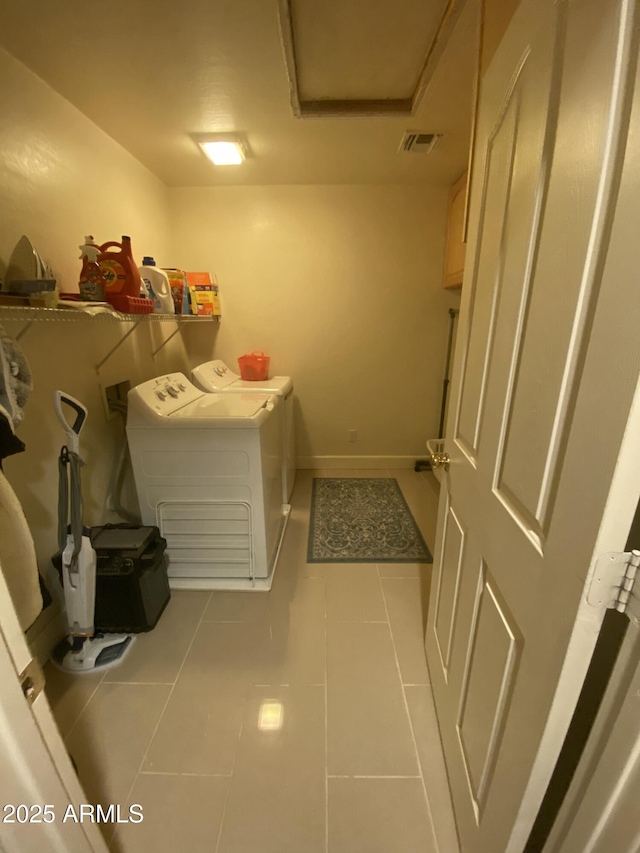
83,650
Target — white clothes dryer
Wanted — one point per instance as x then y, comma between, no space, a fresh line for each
215,376
207,470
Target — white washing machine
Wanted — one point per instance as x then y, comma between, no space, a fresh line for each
207,469
215,376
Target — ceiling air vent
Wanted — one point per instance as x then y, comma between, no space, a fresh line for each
414,142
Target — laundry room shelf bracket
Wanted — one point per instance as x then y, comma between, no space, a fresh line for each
113,349
166,340
24,331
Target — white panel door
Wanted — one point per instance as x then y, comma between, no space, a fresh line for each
547,365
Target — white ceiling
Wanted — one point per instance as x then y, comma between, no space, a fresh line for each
150,72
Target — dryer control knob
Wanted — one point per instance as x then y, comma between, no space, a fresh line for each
161,395
171,390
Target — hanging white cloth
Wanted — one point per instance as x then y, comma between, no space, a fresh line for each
18,557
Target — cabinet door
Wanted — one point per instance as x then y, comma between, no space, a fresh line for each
454,258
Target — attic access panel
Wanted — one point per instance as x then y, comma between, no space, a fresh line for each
344,57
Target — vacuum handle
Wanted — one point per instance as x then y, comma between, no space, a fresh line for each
72,430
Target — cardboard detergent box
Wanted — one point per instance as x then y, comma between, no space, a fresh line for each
204,294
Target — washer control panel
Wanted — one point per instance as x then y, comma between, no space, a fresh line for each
166,394
214,375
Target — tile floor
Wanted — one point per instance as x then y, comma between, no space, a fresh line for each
182,727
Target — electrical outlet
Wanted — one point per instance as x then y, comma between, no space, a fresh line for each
114,396
352,435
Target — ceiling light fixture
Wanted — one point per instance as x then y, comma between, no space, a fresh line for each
222,149
271,716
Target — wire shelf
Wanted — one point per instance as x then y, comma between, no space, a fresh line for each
103,314
28,315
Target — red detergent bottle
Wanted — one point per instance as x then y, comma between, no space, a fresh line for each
122,278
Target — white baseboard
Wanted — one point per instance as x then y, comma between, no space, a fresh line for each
358,462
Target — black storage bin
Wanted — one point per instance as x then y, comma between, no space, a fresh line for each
132,588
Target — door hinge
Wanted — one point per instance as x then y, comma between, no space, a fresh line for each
612,584
32,681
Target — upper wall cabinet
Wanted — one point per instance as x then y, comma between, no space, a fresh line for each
454,256
493,18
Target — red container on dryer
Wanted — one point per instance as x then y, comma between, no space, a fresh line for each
254,367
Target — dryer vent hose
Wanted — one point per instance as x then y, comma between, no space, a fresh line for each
120,473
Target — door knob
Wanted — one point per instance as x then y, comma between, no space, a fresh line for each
440,460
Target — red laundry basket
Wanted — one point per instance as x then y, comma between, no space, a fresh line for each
254,367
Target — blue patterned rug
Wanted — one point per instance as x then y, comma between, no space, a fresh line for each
363,521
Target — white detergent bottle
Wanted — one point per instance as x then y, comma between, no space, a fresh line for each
157,284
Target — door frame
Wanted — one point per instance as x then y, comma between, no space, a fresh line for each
35,768
601,799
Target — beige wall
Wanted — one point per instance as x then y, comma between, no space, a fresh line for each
61,178
340,285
